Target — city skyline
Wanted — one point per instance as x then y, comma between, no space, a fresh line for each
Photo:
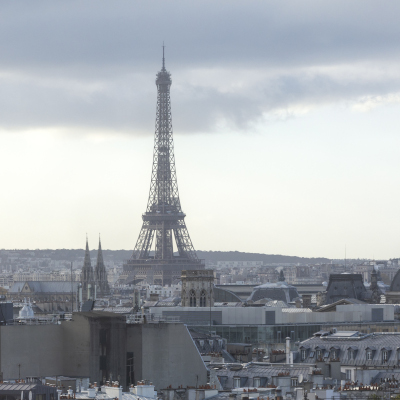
284,120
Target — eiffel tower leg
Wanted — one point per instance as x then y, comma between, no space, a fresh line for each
184,243
143,244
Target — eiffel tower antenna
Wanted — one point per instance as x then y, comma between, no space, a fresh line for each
163,58
164,221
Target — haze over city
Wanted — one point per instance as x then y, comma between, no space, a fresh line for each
285,121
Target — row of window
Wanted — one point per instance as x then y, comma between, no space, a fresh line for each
257,382
334,354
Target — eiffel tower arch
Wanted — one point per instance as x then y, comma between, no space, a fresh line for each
164,221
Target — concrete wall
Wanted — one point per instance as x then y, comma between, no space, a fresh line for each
168,355
83,347
70,349
37,348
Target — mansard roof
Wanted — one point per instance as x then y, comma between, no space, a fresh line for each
359,342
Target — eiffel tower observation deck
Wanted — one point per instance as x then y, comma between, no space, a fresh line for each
164,220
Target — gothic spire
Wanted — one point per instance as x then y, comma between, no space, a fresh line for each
100,260
87,262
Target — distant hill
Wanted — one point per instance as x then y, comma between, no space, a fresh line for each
266,258
213,256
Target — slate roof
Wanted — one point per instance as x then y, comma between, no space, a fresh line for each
44,287
359,343
386,375
226,372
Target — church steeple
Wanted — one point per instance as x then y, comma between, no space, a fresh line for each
87,279
101,274
87,262
100,254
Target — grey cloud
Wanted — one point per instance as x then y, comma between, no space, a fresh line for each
75,64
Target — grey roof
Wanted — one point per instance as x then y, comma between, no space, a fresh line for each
275,291
226,372
360,343
117,310
44,287
17,386
388,375
228,304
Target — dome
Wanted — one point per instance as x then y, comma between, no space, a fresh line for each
274,291
26,312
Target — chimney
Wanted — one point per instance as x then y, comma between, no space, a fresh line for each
306,300
287,350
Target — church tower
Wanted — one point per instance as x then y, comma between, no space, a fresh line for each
100,275
87,280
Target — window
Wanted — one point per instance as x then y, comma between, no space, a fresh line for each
256,382
192,296
369,354
236,382
385,356
319,354
312,354
351,354
211,343
303,354
334,354
203,298
201,342
348,374
294,382
326,355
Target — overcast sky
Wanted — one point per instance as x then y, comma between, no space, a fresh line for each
285,115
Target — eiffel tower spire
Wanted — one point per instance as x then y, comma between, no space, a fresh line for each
164,221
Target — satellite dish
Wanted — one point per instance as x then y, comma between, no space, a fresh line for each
300,380
30,395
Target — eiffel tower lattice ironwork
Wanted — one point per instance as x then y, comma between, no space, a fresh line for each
164,220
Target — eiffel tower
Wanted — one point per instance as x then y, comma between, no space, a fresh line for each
164,220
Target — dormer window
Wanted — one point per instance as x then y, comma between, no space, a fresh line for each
294,382
385,356
369,354
319,353
201,342
256,382
303,354
334,354
351,354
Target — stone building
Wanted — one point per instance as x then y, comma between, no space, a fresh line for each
350,286
94,282
49,297
197,288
